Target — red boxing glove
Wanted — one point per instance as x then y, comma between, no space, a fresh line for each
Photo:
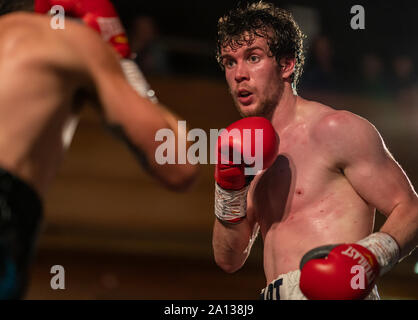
98,14
246,146
347,271
332,277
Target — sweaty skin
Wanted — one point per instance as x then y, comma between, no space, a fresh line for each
304,199
46,75
331,173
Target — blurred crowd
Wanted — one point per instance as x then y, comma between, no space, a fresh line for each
151,54
389,78
374,75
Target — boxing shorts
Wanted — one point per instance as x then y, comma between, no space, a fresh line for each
20,219
286,287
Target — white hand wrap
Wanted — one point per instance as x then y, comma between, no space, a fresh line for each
385,249
137,80
230,204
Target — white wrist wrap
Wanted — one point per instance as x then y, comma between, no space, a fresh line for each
137,80
230,204
385,249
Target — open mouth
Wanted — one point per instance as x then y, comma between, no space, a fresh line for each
243,93
245,97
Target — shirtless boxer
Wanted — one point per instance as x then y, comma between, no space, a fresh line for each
329,175
45,76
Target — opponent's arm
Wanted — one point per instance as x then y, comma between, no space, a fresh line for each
359,151
131,117
235,228
101,16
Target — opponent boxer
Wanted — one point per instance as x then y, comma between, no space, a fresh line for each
46,75
315,203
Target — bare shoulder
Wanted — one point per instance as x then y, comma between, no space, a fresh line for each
340,125
344,136
29,37
17,31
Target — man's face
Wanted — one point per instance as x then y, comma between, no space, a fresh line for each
253,76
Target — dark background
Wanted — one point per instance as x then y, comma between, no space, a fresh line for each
390,25
120,235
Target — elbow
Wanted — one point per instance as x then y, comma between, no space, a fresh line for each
227,266
180,178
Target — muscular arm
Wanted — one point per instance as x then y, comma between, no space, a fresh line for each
131,117
360,152
235,228
232,242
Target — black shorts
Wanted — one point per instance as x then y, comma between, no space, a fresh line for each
20,219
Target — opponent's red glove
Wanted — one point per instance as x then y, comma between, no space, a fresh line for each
232,179
98,14
327,272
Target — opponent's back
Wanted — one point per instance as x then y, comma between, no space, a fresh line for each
41,72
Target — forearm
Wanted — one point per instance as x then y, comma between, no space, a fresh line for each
138,82
181,172
236,226
231,244
136,121
402,225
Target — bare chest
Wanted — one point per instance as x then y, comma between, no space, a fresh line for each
301,177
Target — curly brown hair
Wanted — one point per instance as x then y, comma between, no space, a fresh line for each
261,19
